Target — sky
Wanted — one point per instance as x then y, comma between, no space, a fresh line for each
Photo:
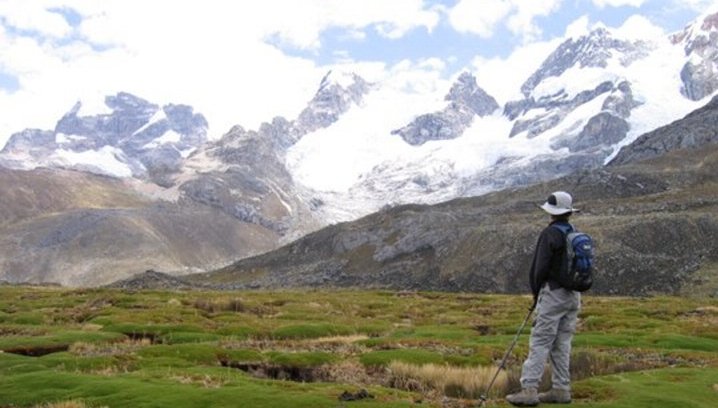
245,62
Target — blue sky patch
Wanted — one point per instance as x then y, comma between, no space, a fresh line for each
72,17
9,83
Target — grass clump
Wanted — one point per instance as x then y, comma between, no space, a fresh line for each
662,388
309,359
221,305
383,358
308,331
205,354
60,340
65,404
459,382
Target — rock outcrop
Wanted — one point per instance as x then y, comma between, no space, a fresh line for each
695,131
466,101
135,138
700,42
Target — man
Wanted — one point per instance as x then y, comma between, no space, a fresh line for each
556,311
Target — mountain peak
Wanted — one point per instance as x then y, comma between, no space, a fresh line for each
466,91
700,43
467,101
124,101
697,35
341,79
337,92
593,50
123,136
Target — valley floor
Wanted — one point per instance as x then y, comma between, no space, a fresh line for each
103,347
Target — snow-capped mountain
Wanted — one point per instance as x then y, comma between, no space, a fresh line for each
125,136
359,146
351,151
595,93
244,174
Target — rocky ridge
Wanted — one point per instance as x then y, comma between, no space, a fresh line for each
695,131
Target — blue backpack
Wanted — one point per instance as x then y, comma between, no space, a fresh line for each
578,274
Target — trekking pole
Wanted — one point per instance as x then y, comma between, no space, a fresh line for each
506,356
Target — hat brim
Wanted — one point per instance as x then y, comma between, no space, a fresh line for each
553,210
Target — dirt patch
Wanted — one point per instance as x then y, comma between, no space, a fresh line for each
144,337
483,329
341,345
707,310
277,371
345,372
356,396
38,351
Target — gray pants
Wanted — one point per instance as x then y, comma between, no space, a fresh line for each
551,335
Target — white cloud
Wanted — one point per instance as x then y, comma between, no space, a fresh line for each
433,63
482,17
698,5
34,16
578,28
618,3
635,27
522,21
300,23
491,74
479,17
638,27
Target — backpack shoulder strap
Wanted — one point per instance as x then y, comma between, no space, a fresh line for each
565,228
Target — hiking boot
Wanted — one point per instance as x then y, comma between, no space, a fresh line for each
528,397
555,396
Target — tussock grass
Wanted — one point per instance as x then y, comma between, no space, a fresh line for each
307,331
460,382
220,305
384,358
85,349
204,381
339,339
64,404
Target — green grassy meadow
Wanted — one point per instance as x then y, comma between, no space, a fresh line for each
112,348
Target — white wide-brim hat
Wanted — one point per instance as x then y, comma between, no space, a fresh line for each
559,203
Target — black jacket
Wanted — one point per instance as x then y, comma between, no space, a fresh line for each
549,258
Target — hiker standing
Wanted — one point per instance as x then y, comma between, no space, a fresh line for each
556,310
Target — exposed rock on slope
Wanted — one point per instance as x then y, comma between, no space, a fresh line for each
694,131
700,43
151,279
467,100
